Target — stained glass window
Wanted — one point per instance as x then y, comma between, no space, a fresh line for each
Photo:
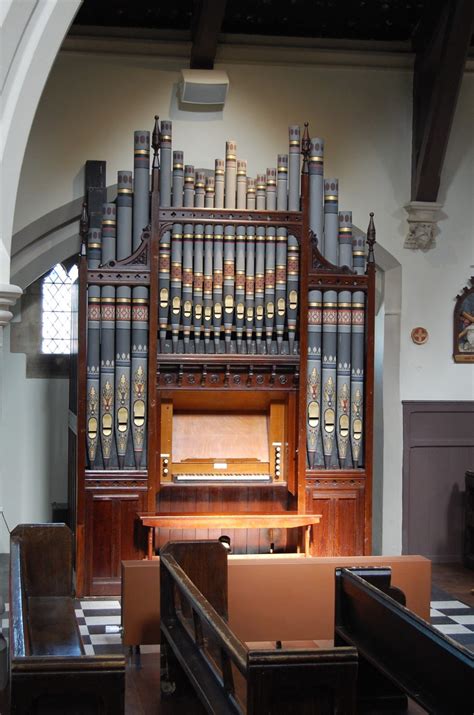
56,313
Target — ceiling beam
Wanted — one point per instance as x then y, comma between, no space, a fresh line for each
207,23
441,45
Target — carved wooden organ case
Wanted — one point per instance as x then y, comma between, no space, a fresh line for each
225,359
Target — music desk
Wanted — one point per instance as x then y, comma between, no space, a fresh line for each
256,520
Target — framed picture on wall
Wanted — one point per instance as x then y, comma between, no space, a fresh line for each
463,327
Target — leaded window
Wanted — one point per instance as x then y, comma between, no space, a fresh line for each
56,310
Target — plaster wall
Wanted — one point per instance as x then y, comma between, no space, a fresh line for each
33,442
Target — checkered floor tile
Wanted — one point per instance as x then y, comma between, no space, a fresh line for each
455,619
99,623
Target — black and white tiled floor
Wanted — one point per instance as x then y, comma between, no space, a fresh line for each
99,622
454,619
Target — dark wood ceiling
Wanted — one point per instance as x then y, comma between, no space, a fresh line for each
385,20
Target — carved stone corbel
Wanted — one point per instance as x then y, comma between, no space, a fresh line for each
9,295
422,219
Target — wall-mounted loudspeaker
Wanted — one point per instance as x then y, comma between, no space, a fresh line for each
203,87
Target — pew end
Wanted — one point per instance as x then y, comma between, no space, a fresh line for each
400,654
49,670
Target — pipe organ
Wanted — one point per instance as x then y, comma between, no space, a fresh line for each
225,351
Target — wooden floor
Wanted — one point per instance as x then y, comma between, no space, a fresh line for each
142,694
456,580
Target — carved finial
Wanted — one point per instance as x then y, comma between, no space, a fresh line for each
371,239
155,142
305,144
155,137
84,224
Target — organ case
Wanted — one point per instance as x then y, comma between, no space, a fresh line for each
236,354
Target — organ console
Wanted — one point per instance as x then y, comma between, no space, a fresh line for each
225,352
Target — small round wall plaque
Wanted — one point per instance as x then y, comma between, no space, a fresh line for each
419,336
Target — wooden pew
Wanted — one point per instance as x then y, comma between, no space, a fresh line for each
50,672
402,648
228,676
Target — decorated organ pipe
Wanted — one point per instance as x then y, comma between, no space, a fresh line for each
316,168
313,400
170,188
176,282
260,187
240,241
292,273
251,198
316,331
230,174
241,184
294,153
281,252
259,286
189,179
280,286
198,283
207,286
269,287
164,278
210,192
187,306
229,284
107,347
217,285
282,182
357,355
250,286
344,314
178,178
219,174
165,163
139,350
270,190
330,315
200,188
293,248
123,315
94,252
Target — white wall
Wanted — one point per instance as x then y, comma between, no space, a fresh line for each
33,442
91,105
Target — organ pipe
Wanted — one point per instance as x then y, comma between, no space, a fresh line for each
343,339
123,313
107,347
94,250
139,350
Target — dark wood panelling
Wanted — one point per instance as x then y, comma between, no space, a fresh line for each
438,448
341,505
221,500
112,536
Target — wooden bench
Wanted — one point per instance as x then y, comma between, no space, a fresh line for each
50,672
404,650
228,676
256,520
